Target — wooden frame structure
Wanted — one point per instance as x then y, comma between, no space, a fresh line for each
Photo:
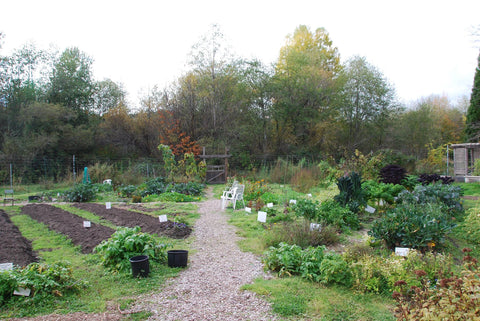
464,157
216,174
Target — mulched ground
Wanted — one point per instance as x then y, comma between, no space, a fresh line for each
148,224
69,224
14,247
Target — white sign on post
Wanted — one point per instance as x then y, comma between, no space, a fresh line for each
269,205
262,216
370,209
87,224
162,218
402,251
6,267
248,209
108,205
293,201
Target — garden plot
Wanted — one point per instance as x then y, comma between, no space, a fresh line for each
148,224
70,225
15,248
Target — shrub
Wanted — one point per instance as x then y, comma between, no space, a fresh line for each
174,197
448,195
307,208
254,190
101,171
304,179
392,174
81,193
330,212
126,190
269,197
413,225
7,285
154,186
451,298
334,269
126,243
471,226
190,188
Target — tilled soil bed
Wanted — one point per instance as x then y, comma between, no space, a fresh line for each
148,224
70,225
15,248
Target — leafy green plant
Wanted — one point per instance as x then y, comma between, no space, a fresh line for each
254,190
7,285
351,192
307,208
270,197
126,190
335,270
190,188
381,191
175,197
332,213
126,243
81,193
299,233
414,225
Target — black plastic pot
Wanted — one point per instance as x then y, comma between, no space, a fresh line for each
177,258
140,266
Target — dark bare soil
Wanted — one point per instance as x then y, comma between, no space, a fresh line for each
70,225
148,224
14,248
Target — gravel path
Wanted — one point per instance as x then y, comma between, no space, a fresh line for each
209,289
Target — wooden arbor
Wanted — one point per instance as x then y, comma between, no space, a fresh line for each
464,157
216,174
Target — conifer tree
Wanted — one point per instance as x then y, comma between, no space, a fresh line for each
472,129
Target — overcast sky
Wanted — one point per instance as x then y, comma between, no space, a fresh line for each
422,47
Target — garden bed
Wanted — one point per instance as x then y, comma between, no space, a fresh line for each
70,225
148,224
15,248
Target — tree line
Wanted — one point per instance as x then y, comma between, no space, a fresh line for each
308,103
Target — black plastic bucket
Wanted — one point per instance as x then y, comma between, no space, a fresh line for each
177,258
140,266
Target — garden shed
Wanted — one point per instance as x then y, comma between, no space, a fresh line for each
464,157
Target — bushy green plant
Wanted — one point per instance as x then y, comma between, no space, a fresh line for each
351,193
448,195
254,190
154,186
334,270
471,226
285,259
81,193
410,181
270,197
126,243
126,190
332,213
43,280
381,191
175,197
190,188
308,209
413,225
304,179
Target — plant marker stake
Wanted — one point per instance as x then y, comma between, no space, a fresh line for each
269,205
370,209
87,224
6,267
248,210
402,251
293,201
108,205
315,227
162,218
22,292
262,216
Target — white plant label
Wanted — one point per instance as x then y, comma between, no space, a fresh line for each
108,205
262,216
269,205
6,267
162,218
402,251
315,227
248,209
293,201
380,202
370,209
22,292
87,224
309,195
